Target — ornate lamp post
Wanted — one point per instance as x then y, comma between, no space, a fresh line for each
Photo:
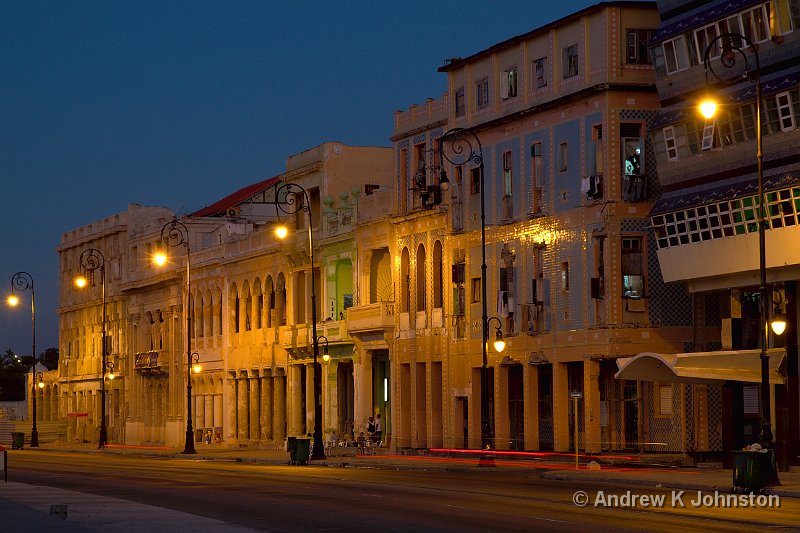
92,259
465,146
289,193
173,234
734,67
23,281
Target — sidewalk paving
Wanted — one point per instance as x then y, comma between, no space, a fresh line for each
27,507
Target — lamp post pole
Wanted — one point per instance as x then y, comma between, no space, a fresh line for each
23,281
92,259
466,146
173,234
289,193
733,46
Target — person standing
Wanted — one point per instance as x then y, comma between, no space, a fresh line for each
370,427
378,435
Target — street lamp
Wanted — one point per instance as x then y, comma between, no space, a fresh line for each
173,234
733,51
23,281
196,366
465,146
289,192
39,379
110,369
93,259
325,355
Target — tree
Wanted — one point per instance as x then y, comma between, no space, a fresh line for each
49,358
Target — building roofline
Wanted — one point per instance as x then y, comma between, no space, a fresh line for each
457,62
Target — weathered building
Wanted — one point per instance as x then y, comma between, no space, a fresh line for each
706,219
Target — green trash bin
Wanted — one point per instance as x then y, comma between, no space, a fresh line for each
752,471
17,440
302,451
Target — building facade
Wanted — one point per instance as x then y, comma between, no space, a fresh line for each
706,219
562,115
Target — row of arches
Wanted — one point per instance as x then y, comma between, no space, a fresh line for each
419,289
257,306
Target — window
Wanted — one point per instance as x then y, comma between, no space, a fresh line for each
632,268
507,173
459,102
636,46
536,163
570,66
540,72
475,180
669,141
708,136
675,54
780,17
563,157
508,83
476,290
565,276
482,93
664,396
785,115
754,23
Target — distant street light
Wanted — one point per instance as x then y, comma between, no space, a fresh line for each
22,281
733,56
290,193
173,234
465,147
93,259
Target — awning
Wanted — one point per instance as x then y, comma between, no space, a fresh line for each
702,367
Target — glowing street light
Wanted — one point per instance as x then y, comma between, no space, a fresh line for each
23,281
93,259
290,192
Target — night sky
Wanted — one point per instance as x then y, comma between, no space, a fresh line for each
178,104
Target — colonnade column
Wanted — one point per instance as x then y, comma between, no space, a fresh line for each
279,420
561,400
242,398
591,405
254,405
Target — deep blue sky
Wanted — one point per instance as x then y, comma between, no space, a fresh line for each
177,104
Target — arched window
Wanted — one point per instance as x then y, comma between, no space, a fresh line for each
280,300
269,294
437,276
420,279
234,301
248,306
258,301
198,314
217,310
405,282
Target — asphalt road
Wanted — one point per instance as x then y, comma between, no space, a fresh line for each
315,498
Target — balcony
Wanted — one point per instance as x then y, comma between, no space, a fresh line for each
300,337
371,317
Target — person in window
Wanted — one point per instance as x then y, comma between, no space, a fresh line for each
632,163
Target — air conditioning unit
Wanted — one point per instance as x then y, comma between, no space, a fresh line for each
232,212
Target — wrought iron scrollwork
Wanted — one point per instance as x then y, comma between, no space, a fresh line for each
464,146
22,281
175,233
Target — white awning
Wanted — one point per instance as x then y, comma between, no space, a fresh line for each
702,367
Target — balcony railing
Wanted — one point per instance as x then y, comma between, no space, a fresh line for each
371,317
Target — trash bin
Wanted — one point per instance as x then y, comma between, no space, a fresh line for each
302,451
17,440
752,471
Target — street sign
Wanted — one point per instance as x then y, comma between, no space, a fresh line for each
576,394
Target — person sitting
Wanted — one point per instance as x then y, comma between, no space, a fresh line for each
361,442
